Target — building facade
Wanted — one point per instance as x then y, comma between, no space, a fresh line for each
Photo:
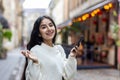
13,13
99,16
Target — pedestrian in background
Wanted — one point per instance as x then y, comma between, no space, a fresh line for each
47,61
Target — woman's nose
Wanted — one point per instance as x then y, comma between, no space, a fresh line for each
48,27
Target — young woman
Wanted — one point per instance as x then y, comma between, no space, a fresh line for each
47,61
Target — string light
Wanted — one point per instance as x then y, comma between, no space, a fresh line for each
93,13
106,7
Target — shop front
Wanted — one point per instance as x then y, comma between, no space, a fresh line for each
101,50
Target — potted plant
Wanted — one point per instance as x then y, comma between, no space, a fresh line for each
4,33
76,27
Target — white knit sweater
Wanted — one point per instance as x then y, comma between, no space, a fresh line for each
52,64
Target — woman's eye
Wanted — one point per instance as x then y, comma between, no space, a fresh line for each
43,26
51,25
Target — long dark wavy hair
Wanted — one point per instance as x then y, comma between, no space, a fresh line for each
35,39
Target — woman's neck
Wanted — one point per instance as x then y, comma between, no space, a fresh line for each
49,43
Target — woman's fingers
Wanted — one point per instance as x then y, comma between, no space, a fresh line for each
76,51
28,54
73,52
33,58
23,52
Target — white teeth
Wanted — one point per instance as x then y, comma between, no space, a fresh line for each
49,33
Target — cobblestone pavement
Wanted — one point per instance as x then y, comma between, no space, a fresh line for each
98,74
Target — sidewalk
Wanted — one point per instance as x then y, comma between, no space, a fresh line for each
12,67
98,74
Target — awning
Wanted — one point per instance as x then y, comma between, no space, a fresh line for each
66,23
3,22
99,5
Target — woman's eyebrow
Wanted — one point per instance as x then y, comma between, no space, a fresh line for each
43,24
50,23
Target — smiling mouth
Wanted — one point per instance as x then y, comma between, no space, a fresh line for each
50,33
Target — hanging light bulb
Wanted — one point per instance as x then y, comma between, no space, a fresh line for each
106,7
92,14
110,5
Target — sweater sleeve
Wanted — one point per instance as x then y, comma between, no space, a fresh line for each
70,65
33,71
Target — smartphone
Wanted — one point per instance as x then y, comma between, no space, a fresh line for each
80,41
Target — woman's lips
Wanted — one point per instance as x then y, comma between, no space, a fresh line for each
50,33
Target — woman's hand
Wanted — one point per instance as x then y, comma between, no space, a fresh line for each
76,51
29,55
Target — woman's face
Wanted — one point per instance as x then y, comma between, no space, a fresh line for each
47,30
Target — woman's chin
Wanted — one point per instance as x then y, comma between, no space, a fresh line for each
50,38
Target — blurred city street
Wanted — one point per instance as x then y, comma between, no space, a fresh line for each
98,21
12,67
